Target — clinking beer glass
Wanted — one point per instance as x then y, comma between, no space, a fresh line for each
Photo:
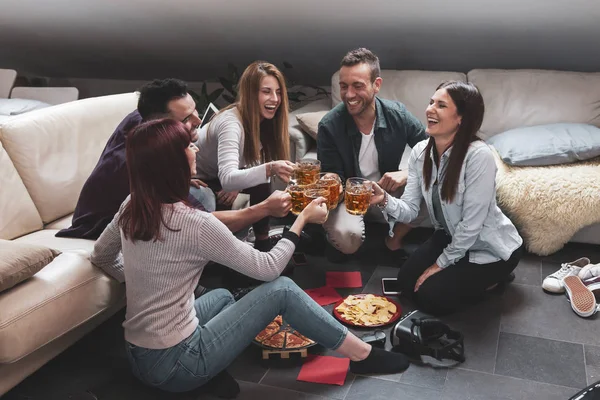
334,183
299,201
358,195
307,171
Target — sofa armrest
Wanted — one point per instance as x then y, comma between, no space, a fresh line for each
300,142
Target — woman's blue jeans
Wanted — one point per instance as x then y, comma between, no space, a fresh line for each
226,328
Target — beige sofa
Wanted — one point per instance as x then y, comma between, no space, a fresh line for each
513,98
45,158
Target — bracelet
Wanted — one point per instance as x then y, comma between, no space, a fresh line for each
272,172
383,204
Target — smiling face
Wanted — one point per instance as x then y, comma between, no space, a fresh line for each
356,89
184,110
269,97
442,116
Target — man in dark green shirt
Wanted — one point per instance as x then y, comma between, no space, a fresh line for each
365,136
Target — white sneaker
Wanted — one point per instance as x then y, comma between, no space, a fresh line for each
554,283
590,275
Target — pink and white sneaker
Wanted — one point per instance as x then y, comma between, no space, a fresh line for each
583,301
554,283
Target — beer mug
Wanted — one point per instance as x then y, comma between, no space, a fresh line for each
307,171
315,191
334,183
358,195
299,201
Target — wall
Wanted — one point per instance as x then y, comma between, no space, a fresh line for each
194,40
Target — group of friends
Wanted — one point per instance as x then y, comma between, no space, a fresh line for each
158,202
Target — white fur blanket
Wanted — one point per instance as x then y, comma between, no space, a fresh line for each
549,204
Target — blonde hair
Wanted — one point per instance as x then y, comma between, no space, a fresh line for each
274,136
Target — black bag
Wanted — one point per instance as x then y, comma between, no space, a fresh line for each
427,340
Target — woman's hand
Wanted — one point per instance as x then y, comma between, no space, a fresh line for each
378,194
316,211
434,269
283,169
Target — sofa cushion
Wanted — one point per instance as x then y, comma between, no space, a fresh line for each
517,98
309,122
20,106
55,149
547,144
67,293
20,261
18,215
412,88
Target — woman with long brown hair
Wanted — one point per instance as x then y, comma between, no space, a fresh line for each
158,246
475,246
247,143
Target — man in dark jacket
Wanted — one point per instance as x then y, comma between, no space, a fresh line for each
108,185
365,136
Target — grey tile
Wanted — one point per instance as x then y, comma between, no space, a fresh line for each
251,391
542,360
573,251
377,389
425,376
472,385
249,365
283,374
528,272
529,311
592,363
480,326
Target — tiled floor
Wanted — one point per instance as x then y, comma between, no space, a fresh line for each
522,344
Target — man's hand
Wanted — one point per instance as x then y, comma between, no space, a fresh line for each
434,269
278,204
392,181
226,198
197,183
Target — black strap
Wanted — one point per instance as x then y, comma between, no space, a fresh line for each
454,350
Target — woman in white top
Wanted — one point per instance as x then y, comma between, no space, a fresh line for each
247,143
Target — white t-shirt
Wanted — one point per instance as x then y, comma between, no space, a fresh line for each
368,159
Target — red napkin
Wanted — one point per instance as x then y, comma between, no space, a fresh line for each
324,295
324,369
343,279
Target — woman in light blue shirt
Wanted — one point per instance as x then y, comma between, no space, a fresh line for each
475,246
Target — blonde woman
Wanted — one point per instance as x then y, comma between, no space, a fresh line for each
247,143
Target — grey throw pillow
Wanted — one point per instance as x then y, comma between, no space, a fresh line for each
20,106
547,144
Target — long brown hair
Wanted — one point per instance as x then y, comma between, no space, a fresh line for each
272,134
159,173
469,105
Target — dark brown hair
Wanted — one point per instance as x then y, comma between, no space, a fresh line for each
159,173
362,55
469,105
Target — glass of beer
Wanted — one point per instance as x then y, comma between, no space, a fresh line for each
334,183
358,195
299,201
307,171
315,191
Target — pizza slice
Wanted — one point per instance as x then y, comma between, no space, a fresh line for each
278,319
267,332
294,341
276,341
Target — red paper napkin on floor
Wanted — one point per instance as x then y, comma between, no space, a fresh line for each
324,295
324,369
343,279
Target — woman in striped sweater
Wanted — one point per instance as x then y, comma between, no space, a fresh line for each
158,246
